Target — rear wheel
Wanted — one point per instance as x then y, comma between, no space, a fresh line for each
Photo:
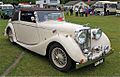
59,59
10,35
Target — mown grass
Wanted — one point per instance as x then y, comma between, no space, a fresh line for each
8,52
33,64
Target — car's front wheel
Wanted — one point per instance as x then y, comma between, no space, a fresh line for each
59,59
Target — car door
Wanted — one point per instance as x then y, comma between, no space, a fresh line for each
26,30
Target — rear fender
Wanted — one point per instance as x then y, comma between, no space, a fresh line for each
10,26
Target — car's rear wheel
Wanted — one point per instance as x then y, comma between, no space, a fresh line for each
10,35
59,59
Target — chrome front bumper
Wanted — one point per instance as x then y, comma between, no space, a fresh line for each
93,61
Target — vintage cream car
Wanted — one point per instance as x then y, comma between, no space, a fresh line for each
67,45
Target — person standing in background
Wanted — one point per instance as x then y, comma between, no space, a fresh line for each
67,11
93,10
71,11
86,11
105,12
81,11
76,11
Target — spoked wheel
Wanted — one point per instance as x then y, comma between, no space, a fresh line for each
10,36
59,59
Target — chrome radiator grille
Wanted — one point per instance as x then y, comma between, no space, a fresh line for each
87,44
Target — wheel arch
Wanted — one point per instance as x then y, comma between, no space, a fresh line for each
69,65
70,46
10,27
49,45
7,30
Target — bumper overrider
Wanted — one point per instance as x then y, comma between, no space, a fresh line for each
91,61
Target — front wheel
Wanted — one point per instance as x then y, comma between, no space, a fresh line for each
59,59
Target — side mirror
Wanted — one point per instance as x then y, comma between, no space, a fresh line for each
33,19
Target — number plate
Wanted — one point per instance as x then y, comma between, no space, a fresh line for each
99,62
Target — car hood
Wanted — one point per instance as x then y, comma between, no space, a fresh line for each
63,26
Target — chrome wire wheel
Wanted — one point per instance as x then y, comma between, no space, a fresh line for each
10,36
59,57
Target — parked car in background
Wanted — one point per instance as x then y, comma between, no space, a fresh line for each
6,10
118,8
110,9
67,45
1,3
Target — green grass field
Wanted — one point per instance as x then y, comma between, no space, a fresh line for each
33,64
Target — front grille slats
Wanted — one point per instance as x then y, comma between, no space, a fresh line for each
87,44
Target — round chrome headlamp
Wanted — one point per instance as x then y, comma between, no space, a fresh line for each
81,37
97,33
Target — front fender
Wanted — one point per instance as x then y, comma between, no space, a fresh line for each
102,42
71,47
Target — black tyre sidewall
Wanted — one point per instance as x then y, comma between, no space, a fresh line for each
70,63
9,37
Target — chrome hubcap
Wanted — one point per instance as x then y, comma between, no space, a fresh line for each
59,57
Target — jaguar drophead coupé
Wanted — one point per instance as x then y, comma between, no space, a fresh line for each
67,45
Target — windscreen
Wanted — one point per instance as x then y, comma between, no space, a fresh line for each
50,15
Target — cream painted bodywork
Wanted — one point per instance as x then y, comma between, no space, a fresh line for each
26,32
37,36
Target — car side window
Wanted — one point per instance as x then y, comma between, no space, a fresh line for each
15,16
27,16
